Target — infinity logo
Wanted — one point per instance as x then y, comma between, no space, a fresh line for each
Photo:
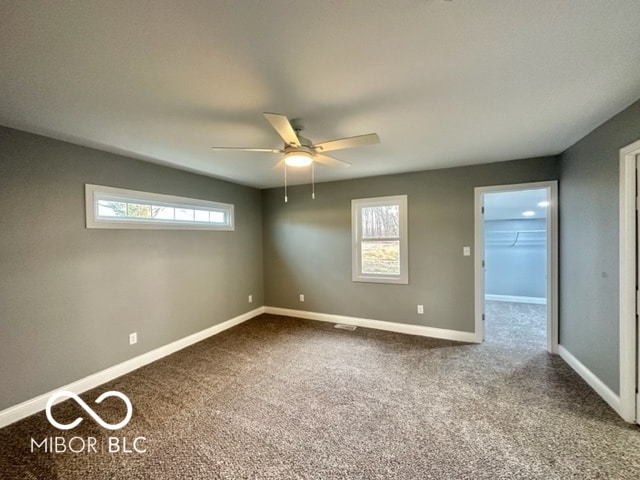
94,415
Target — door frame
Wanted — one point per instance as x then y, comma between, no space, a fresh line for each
629,403
552,257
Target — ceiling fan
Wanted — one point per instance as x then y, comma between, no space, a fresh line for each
299,151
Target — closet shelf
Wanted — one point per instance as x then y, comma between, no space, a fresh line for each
514,238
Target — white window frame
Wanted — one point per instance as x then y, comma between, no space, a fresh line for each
356,240
95,193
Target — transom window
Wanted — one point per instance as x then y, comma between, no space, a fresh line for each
109,207
379,235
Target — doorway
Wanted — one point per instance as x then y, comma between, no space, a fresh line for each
627,404
516,265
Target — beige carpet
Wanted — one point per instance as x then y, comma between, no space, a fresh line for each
287,398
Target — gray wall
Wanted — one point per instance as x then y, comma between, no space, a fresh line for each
69,296
307,244
516,268
589,203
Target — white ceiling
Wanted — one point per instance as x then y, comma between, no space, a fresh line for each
443,83
510,205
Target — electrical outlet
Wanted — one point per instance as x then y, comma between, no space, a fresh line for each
133,338
421,309
250,298
302,297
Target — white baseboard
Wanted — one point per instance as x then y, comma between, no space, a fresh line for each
516,299
594,382
34,405
421,330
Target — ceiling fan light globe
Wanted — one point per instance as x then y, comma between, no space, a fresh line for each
298,159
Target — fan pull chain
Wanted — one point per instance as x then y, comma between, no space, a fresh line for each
285,183
313,182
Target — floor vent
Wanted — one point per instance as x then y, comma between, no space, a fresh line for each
345,327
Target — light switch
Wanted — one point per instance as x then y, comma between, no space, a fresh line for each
466,251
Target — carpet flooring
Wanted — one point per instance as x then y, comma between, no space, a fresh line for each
286,398
520,325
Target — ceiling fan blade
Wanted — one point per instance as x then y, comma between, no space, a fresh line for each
242,149
349,142
283,126
330,161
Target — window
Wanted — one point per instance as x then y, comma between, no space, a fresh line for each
109,207
379,234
